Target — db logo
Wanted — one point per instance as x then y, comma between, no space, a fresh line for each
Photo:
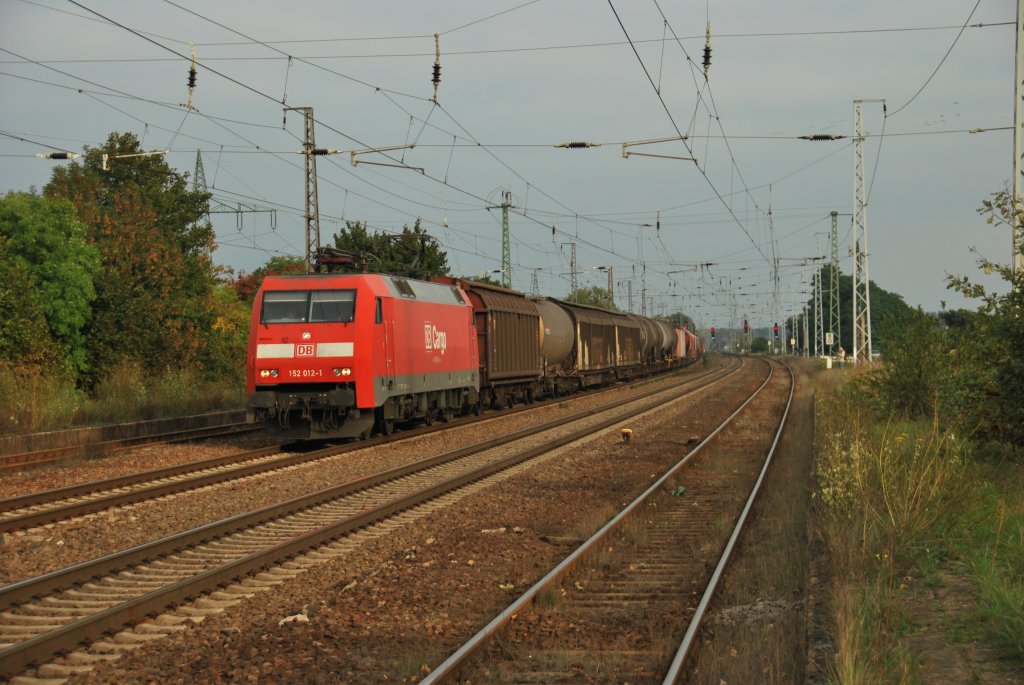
435,339
305,350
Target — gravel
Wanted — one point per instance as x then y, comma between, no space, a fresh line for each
391,608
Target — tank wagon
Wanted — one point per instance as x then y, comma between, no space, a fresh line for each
334,355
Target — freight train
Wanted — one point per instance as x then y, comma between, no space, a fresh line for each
345,355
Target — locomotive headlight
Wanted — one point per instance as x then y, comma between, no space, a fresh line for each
346,371
337,372
264,373
273,373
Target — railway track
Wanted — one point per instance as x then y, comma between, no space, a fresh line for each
50,455
611,616
56,612
40,508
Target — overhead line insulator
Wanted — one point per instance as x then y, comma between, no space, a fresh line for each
436,80
578,145
822,136
192,75
59,155
707,51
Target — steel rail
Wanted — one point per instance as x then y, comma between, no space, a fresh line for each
52,454
450,666
32,499
51,515
17,657
672,676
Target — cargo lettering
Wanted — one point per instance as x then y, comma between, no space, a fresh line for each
435,339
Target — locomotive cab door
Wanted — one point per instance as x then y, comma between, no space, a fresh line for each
387,413
387,378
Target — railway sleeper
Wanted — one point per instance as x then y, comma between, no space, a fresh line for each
62,670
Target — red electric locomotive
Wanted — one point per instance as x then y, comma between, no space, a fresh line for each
336,356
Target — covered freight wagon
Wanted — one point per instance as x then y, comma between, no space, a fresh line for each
508,341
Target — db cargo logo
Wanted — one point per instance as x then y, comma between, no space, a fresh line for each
435,339
305,350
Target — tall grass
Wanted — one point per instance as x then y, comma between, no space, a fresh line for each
991,545
32,401
890,493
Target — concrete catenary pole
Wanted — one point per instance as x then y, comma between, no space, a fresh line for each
1017,256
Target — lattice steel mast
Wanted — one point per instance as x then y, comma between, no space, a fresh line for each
861,278
506,243
833,285
312,210
819,323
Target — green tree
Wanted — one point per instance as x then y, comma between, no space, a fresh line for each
413,252
246,285
226,346
759,345
678,319
154,292
483,278
594,295
988,358
49,268
887,309
25,338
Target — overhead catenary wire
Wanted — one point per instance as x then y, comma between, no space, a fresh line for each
455,168
676,127
470,53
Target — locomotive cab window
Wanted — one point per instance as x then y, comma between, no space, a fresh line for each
332,306
304,306
286,306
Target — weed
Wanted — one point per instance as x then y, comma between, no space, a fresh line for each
633,531
1001,606
549,598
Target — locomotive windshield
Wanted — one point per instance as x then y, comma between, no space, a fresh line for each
308,306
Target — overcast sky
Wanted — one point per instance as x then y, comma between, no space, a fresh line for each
517,79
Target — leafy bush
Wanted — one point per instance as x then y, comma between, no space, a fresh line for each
992,352
909,383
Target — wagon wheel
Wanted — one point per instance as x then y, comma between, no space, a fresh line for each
428,418
446,415
387,427
365,435
477,409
